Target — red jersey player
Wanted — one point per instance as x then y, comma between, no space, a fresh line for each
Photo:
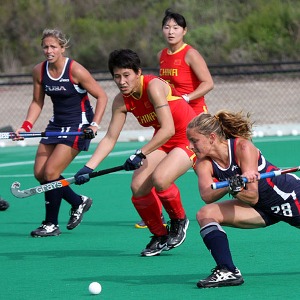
162,159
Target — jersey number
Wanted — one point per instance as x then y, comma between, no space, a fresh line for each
284,208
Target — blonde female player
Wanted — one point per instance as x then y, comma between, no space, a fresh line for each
224,151
68,84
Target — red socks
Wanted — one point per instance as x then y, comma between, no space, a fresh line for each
149,208
171,201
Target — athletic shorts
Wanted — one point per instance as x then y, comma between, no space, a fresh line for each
77,142
271,219
168,147
280,200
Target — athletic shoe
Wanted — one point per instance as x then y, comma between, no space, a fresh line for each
221,277
142,225
156,246
46,229
177,232
77,213
4,205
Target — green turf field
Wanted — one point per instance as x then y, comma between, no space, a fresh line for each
106,246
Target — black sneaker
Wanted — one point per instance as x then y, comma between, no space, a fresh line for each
221,277
177,232
4,205
77,213
46,229
156,246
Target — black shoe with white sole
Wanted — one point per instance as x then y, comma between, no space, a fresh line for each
77,213
156,246
221,277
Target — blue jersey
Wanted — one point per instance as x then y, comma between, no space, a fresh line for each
278,196
72,110
71,105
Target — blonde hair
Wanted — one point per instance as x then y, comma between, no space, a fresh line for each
57,34
224,123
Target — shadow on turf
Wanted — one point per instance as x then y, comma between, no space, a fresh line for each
180,279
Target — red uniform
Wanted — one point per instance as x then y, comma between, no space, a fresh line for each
179,74
144,111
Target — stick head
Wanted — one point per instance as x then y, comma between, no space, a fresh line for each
15,190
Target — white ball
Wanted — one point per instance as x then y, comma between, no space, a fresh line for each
22,143
279,133
95,288
141,138
294,132
260,134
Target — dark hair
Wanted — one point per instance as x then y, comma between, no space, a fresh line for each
124,59
178,18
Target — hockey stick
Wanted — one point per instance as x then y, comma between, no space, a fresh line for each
221,184
15,187
12,135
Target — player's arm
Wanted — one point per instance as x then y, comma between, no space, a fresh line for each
157,93
37,103
108,142
197,63
204,171
83,77
247,158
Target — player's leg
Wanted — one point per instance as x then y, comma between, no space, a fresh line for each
175,164
50,162
63,155
210,217
145,202
49,226
141,224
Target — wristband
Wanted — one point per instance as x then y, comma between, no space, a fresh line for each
140,154
186,98
27,126
95,124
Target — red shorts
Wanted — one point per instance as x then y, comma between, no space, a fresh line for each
170,145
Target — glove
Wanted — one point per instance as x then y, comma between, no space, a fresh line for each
236,184
79,178
134,161
88,133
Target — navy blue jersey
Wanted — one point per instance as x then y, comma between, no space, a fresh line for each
72,110
71,105
278,196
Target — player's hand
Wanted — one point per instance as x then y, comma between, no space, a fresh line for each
88,133
135,161
236,184
79,176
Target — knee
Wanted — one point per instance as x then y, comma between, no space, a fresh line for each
160,183
206,212
50,175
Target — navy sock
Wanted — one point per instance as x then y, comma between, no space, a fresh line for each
52,204
216,241
70,196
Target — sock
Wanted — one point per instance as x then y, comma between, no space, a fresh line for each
216,241
153,191
70,196
52,204
149,210
171,201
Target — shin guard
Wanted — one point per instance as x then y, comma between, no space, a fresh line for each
171,201
150,211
